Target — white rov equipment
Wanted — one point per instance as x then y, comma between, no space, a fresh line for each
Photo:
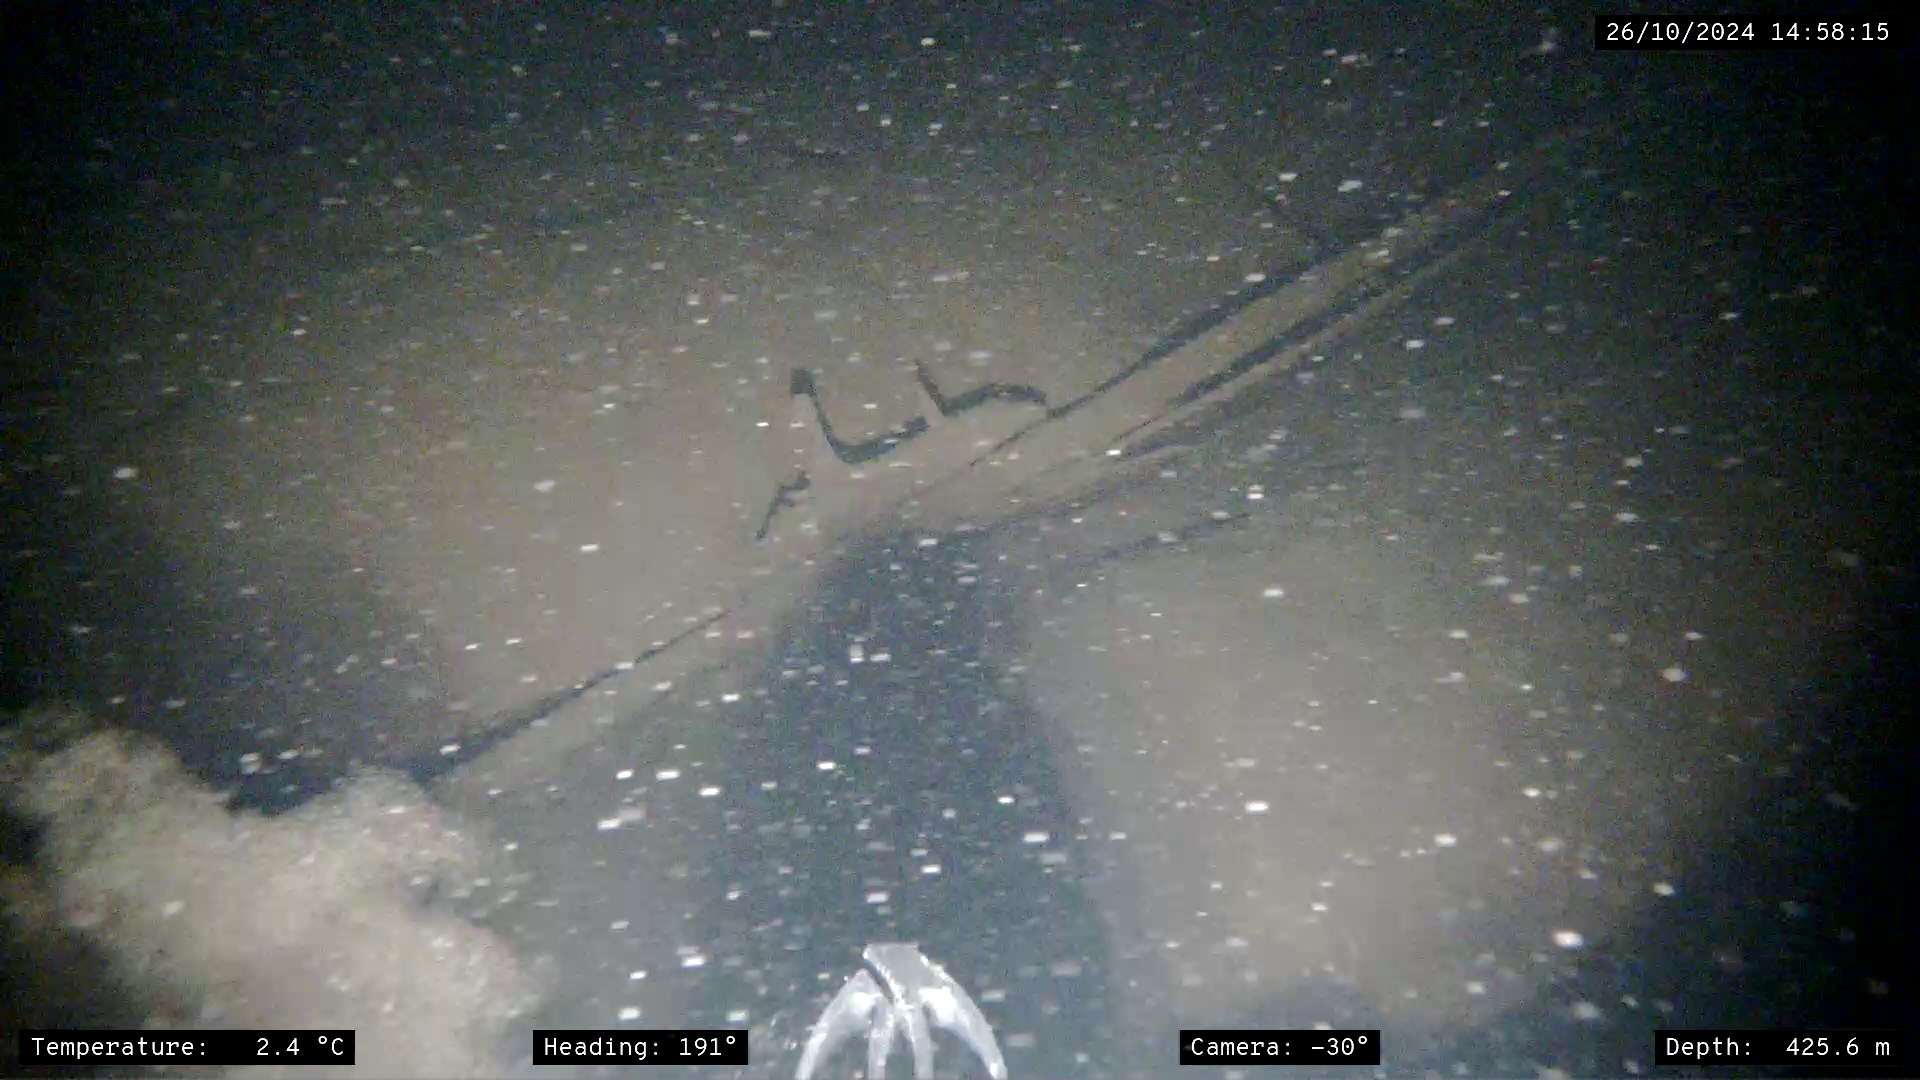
916,991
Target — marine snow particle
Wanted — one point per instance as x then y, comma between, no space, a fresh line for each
545,486
1663,888
1675,674
1272,592
588,549
126,472
1445,839
1412,412
1350,185
629,1013
1257,806
1626,517
1569,939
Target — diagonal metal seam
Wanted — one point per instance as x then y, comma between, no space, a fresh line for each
1263,332
1111,423
1264,328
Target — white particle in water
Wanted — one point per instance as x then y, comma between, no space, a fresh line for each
125,472
1569,939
